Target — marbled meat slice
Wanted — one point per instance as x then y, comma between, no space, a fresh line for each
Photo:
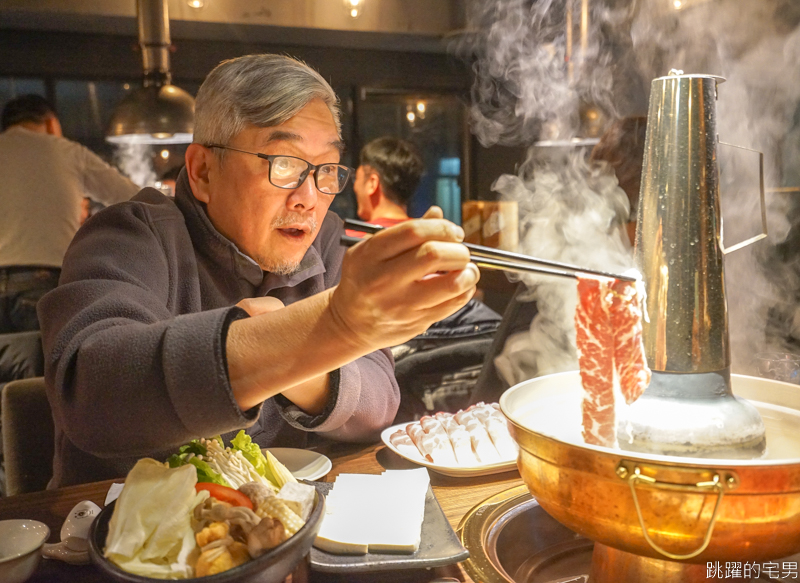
629,359
497,426
441,448
481,411
402,441
462,444
417,435
482,444
595,343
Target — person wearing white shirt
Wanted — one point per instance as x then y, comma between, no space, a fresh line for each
44,179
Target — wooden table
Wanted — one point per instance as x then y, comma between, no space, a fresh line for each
456,496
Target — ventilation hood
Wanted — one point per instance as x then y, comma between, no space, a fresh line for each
158,112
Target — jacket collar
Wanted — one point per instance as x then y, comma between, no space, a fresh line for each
221,250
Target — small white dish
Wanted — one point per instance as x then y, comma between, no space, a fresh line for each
453,471
303,463
20,541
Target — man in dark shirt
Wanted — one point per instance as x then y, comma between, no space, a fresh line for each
388,174
230,305
437,370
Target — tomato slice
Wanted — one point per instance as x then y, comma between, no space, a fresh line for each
225,494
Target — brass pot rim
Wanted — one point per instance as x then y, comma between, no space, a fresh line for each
593,490
672,460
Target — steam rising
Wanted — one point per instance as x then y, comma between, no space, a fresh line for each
756,47
569,212
135,161
529,84
527,89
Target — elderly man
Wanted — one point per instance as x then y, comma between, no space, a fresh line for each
169,321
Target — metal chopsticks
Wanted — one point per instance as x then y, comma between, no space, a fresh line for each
490,258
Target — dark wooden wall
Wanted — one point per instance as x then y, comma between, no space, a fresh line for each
95,56
71,55
92,56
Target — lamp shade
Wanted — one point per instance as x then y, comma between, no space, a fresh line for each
153,114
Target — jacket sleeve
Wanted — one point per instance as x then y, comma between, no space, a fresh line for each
126,376
363,402
366,397
367,400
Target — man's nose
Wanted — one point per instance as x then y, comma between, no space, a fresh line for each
304,196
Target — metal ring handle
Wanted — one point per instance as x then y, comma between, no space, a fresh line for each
763,234
714,484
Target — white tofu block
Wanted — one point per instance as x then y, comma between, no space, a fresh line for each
298,497
378,514
341,538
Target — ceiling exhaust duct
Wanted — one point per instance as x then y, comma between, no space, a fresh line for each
158,112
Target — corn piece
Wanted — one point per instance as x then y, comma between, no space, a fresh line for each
279,471
277,509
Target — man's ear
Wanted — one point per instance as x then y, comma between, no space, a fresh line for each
53,126
198,166
373,184
376,193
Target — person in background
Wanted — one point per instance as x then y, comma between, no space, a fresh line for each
166,183
622,146
386,178
86,209
44,178
233,305
436,370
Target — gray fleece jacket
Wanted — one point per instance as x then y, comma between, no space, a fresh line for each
134,341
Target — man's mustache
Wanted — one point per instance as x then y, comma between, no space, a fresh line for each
295,219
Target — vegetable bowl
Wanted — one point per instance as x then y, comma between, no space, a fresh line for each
209,512
272,567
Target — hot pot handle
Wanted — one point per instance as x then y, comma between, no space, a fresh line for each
725,250
717,484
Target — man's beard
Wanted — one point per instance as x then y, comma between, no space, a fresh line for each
282,265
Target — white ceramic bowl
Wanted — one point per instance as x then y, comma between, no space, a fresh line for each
20,541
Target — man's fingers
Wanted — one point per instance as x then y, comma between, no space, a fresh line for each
433,212
400,238
444,309
429,258
441,288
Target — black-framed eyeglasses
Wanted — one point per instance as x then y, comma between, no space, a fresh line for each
290,172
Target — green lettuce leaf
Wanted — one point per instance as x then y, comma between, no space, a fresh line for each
204,471
206,474
252,453
194,447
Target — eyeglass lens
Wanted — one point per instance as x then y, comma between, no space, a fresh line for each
286,172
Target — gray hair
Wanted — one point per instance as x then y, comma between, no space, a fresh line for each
262,90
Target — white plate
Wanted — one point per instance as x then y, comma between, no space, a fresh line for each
303,463
454,471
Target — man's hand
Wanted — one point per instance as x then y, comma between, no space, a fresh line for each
393,287
398,282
